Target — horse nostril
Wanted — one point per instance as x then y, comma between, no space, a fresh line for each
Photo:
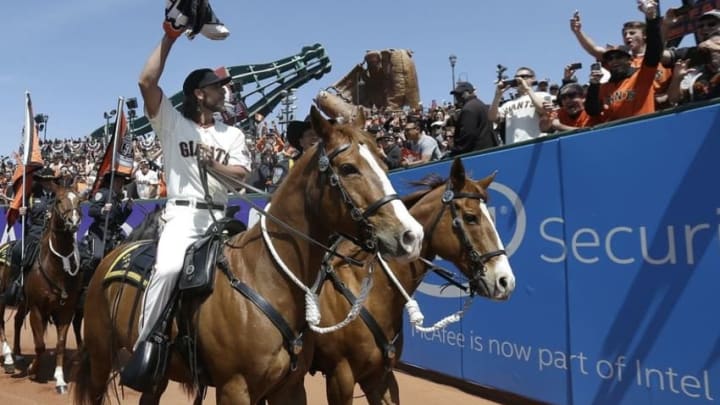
503,283
408,238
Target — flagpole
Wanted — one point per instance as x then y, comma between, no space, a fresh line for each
112,167
26,158
22,224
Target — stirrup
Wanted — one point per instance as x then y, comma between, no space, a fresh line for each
146,365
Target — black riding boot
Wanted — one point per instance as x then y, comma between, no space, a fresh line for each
149,359
147,364
14,292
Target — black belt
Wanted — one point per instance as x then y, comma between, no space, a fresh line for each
199,205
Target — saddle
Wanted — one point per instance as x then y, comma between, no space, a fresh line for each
134,264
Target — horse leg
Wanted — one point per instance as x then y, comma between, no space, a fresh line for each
233,392
340,385
62,324
19,319
77,325
381,390
291,393
8,362
153,398
38,325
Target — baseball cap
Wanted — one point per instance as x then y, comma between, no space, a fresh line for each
623,49
570,88
295,131
197,79
462,87
712,13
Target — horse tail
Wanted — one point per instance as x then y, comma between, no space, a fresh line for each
82,392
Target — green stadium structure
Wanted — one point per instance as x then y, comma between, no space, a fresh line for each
255,88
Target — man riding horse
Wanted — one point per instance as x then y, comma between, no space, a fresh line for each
109,213
41,200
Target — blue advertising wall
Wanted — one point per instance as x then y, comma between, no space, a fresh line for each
617,266
614,238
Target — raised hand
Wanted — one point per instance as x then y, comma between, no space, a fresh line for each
575,24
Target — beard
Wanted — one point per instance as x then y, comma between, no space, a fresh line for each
621,72
216,107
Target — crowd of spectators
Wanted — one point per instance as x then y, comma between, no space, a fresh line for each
638,77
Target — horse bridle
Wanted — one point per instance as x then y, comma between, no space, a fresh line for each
367,230
478,261
68,225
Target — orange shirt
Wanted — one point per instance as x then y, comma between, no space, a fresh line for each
583,120
662,77
631,97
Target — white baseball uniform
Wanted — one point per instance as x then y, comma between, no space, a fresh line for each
184,224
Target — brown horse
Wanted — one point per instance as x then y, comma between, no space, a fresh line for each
457,227
338,185
52,285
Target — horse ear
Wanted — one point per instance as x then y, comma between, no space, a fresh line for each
485,183
359,121
321,126
457,174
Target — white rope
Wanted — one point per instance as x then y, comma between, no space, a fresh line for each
312,307
413,308
66,259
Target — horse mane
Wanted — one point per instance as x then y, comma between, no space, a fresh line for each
149,228
428,184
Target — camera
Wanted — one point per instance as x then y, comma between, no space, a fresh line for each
595,66
575,66
514,83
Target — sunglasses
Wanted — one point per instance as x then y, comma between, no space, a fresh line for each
614,56
524,76
571,95
707,25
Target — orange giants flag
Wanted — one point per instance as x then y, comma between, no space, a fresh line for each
31,161
119,151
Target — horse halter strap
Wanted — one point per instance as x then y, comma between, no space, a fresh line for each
369,243
477,259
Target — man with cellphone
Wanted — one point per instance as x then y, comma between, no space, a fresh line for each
521,116
635,38
629,92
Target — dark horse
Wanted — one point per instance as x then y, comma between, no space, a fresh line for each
52,284
339,185
148,229
457,227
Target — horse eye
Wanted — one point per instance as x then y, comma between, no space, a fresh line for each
348,169
470,219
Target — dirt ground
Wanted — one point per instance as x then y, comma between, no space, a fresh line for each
18,390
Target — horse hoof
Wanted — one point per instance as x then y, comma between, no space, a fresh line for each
61,389
9,368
